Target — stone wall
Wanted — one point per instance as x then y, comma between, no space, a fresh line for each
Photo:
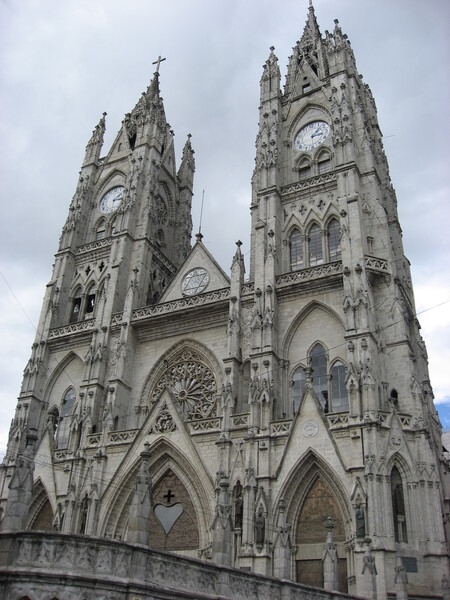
38,565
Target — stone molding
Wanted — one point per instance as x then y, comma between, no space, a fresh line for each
72,328
39,562
325,270
175,305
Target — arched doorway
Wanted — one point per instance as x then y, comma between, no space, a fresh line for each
312,493
318,505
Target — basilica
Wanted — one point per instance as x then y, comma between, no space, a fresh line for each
273,425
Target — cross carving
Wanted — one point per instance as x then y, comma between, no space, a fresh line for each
157,63
169,496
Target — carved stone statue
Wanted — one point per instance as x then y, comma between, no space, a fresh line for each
260,527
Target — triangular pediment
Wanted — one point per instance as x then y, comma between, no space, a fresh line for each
199,274
120,148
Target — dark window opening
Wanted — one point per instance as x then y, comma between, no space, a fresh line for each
76,308
90,304
315,246
334,240
298,387
319,375
398,506
296,246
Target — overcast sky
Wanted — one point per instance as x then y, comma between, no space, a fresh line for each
63,63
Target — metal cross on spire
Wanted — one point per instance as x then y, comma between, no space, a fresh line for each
157,63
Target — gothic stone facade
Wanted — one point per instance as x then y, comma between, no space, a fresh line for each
282,424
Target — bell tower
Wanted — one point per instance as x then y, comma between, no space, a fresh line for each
127,232
326,248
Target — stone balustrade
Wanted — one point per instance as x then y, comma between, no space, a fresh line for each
55,565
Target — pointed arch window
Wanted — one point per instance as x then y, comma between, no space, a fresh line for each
319,374
298,387
315,246
67,405
304,170
101,230
339,396
328,382
334,240
324,163
398,506
76,306
296,250
90,302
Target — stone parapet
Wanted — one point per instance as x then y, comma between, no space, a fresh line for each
75,566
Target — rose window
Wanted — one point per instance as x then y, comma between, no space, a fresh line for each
191,383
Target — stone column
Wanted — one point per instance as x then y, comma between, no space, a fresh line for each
282,546
20,492
138,531
222,527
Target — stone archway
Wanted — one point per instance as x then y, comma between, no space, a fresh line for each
175,523
312,493
319,504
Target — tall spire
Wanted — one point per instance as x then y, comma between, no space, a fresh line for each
311,33
307,65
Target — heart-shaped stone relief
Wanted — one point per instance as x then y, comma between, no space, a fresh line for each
168,515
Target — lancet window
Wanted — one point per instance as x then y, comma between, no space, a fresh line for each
398,506
315,248
66,410
296,249
83,304
334,240
328,382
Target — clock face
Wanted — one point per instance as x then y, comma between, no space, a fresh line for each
312,136
111,200
195,282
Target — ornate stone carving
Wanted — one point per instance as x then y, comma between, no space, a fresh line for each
192,385
164,422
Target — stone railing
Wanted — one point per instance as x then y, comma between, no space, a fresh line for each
176,305
72,328
55,565
122,437
334,268
97,245
280,428
307,183
378,265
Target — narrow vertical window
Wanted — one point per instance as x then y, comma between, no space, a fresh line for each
334,241
315,246
76,307
319,375
304,170
324,163
101,230
67,405
398,506
339,397
90,302
296,249
298,387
